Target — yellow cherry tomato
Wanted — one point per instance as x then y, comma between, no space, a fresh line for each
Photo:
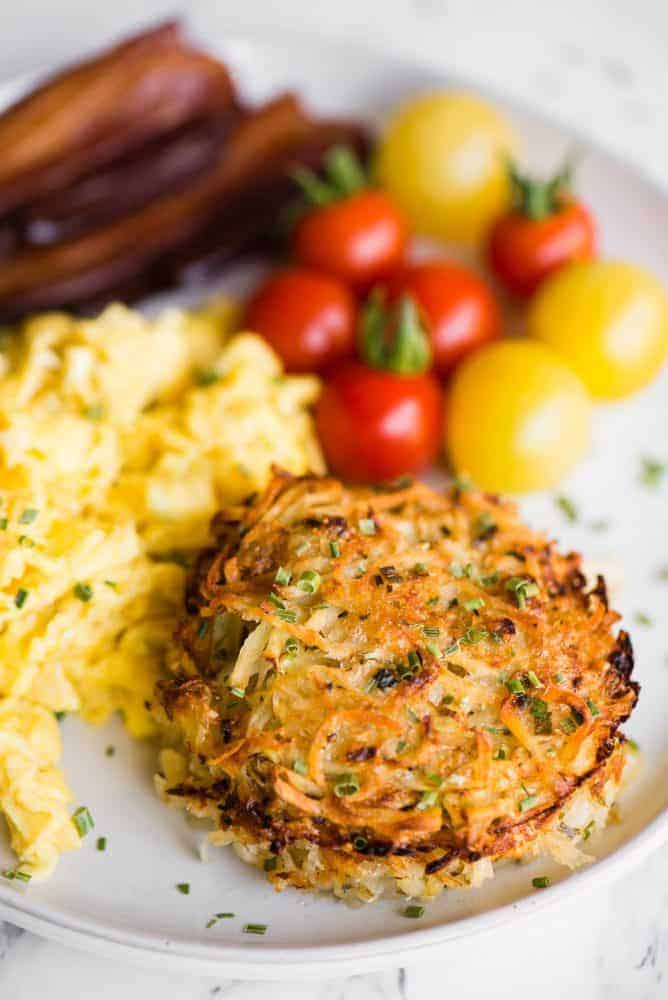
517,417
444,160
609,322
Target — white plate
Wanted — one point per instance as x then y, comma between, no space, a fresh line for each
124,902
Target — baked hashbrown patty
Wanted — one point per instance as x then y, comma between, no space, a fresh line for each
375,683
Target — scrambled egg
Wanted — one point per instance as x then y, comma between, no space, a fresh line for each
119,439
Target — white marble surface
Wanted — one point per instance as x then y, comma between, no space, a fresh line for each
600,65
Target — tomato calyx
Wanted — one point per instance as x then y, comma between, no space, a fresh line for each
344,176
538,199
392,338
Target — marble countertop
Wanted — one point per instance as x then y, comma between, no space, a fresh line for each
599,66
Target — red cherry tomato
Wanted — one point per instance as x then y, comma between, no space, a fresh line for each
308,318
375,425
458,308
547,229
360,238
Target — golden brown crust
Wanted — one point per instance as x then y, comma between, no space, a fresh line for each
394,674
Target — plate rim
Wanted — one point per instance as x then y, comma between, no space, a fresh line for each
315,961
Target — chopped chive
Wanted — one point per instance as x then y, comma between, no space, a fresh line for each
20,597
183,888
291,646
83,591
205,377
515,686
347,784
360,843
474,635
452,648
474,604
60,716
413,716
593,707
567,508
588,830
269,864
28,516
558,678
522,588
541,882
414,912
432,631
238,692
111,584
489,581
83,820
500,754
434,779
302,549
652,472
309,581
428,799
275,600
283,576
224,916
101,843
432,648
632,744
110,751
94,412
433,601
420,569
367,526
286,616
255,928
413,659
16,873
334,550
599,526
527,803
533,680
28,542
300,766
642,619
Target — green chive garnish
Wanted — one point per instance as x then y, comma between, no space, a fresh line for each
428,799
16,873
347,784
541,882
101,843
203,377
652,472
83,821
414,912
567,508
291,646
309,581
275,600
286,616
4,522
28,516
238,692
300,766
83,591
527,803
474,604
367,526
334,550
270,864
255,928
283,576
94,412
515,686
20,597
